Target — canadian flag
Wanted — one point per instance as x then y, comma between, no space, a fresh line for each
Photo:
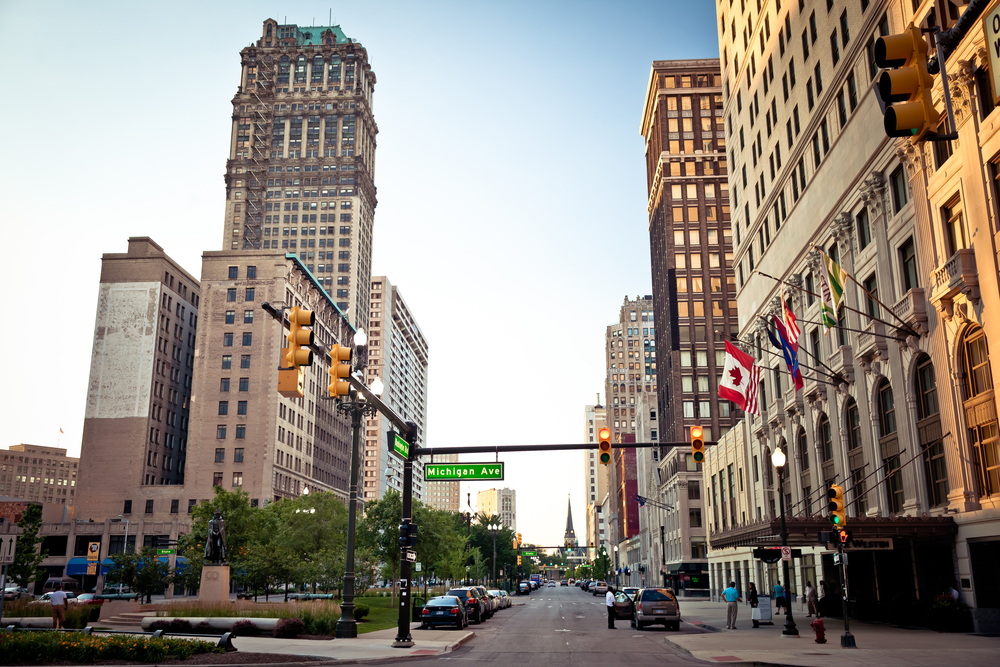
740,379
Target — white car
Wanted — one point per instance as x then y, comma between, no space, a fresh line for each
551,584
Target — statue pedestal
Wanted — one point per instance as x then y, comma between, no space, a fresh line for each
214,583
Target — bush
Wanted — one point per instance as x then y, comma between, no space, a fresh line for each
204,628
289,628
43,647
244,628
360,611
159,625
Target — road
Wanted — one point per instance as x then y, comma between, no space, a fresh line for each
564,626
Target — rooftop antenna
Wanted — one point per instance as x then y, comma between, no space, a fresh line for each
331,16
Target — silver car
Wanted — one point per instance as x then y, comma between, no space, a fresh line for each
657,605
599,588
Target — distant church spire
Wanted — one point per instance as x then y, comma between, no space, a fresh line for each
569,539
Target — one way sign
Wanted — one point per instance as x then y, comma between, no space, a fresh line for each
8,547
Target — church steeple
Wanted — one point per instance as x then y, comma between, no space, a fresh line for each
569,539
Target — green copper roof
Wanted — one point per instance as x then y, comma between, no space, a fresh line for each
313,34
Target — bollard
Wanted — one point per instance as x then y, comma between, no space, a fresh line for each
818,626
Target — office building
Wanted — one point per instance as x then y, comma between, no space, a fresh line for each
445,496
300,177
596,476
913,224
499,502
397,353
691,245
39,474
137,419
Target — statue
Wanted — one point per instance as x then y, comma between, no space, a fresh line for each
215,548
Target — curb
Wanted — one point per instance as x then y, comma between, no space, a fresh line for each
739,663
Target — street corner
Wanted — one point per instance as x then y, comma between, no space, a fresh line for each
461,641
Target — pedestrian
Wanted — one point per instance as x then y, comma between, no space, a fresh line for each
58,599
609,600
753,601
732,597
812,599
779,597
822,598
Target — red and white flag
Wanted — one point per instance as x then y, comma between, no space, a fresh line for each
740,379
788,317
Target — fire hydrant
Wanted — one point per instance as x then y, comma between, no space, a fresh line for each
817,625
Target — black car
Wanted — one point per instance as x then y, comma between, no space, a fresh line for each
475,606
444,610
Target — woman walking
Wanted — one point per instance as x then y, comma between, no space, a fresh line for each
752,601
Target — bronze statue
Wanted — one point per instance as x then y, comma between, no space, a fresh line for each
215,548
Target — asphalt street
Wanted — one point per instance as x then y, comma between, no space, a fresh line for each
564,626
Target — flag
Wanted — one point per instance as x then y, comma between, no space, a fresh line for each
788,317
789,350
740,379
832,279
61,431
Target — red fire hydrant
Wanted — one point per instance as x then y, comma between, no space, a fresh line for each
817,625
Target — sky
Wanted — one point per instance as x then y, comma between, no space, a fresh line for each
511,194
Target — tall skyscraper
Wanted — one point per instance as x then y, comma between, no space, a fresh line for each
500,502
595,475
301,170
135,431
397,353
690,239
630,353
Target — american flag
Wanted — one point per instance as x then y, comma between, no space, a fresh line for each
788,317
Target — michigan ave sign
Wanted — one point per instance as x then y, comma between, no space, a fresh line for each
443,472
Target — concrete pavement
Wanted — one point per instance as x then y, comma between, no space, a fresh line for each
878,645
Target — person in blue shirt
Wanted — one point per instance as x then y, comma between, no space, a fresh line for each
732,597
779,597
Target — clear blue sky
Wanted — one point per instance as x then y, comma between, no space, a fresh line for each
510,175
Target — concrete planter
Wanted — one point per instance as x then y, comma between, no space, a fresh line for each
223,623
29,621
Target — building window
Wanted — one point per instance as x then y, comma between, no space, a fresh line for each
230,316
250,293
871,303
954,224
223,407
241,407
826,440
237,479
238,455
245,361
247,339
231,294
191,505
224,385
216,479
886,409
220,454
251,272
234,272
149,507
244,384
220,432
897,183
983,433
247,317
227,339
864,231
174,506
804,449
128,507
853,426
908,265
241,431
227,361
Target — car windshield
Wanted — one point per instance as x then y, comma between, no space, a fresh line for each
449,601
654,595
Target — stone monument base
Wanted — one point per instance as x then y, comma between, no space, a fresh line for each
214,583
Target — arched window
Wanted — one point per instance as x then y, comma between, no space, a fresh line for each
889,444
853,425
929,432
825,438
317,70
982,422
300,69
803,445
855,456
284,65
886,409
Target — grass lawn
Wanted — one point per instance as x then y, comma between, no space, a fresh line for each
382,615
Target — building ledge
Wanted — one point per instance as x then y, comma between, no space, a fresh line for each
957,276
912,309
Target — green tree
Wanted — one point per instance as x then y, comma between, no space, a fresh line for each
142,571
602,565
310,528
378,531
27,559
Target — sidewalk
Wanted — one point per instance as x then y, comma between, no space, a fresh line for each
878,645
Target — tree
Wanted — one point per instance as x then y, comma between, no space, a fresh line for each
602,565
142,571
25,568
379,532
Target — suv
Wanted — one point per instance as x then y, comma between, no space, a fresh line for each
474,603
657,605
488,600
599,587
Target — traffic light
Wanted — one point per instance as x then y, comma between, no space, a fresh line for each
407,535
838,517
604,445
519,540
340,368
906,87
295,356
519,561
515,544
698,444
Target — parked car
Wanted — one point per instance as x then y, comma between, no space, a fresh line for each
444,610
599,588
502,600
46,598
630,591
471,598
524,587
87,598
657,605
68,584
507,598
491,604
624,606
16,593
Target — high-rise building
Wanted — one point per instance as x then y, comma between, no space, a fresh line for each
690,240
444,495
397,353
499,502
40,474
595,475
135,431
898,404
630,359
301,170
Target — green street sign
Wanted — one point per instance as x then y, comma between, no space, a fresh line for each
165,552
443,472
400,446
529,553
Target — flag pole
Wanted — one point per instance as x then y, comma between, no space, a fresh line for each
801,365
870,333
832,373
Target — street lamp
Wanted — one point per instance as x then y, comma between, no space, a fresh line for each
778,459
617,583
356,407
494,531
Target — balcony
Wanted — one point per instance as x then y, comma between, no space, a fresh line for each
957,276
842,361
872,342
794,403
776,413
912,309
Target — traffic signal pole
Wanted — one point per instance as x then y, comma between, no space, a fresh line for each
403,637
846,639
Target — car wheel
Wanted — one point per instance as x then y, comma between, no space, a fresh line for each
676,625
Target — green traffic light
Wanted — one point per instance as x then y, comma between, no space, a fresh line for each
699,457
605,457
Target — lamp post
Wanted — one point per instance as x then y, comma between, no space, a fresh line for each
617,567
778,459
356,407
494,531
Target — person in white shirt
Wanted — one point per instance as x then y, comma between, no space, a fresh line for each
58,598
609,599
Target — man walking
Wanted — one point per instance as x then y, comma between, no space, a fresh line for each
609,600
58,598
812,599
732,597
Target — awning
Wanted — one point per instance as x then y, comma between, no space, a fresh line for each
78,566
804,531
690,568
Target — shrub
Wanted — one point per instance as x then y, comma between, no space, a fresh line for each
159,625
360,611
244,628
180,625
44,647
204,628
289,628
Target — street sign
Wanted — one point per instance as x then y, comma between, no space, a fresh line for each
417,567
94,551
92,569
991,30
8,547
529,553
786,553
442,472
400,446
166,552
411,555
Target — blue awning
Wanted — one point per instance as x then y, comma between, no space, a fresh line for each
78,566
